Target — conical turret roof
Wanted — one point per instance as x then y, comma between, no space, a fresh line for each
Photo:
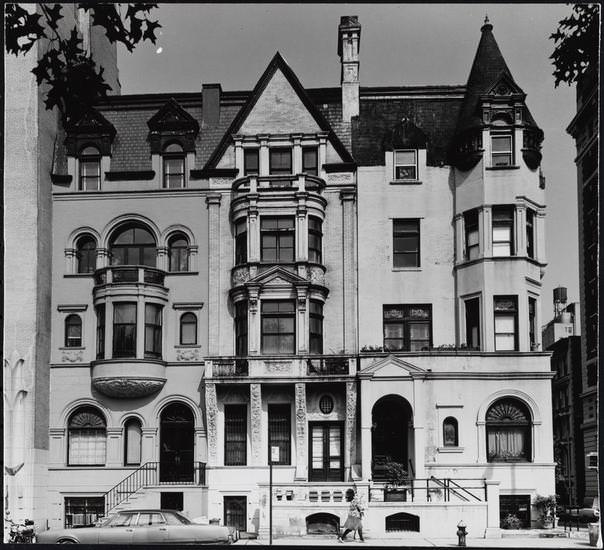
489,66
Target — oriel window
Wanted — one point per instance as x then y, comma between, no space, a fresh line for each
472,234
506,323
502,150
153,324
277,236
100,331
241,328
124,330
240,241
315,314
530,233
278,327
503,230
280,161
315,239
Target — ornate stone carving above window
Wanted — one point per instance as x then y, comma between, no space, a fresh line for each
91,128
172,122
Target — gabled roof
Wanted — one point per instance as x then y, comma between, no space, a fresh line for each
278,63
91,122
488,67
391,365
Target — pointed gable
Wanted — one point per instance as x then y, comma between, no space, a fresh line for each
277,276
172,122
278,104
92,127
389,367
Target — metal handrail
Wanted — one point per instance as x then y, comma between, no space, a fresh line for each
146,475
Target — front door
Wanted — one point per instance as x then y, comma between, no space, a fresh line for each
177,443
235,512
326,456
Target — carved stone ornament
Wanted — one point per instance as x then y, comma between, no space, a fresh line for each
300,411
256,413
240,275
341,178
72,356
315,275
123,387
351,410
277,367
187,355
211,408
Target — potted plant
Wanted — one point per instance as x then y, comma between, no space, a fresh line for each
396,476
546,507
511,522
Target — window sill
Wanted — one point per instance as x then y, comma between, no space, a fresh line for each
182,273
406,182
73,348
406,269
187,346
450,449
77,275
502,167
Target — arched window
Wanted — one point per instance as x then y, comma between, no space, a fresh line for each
73,331
174,166
450,433
402,522
86,254
133,245
188,329
132,442
90,169
508,424
178,247
86,437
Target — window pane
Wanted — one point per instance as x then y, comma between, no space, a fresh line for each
309,161
317,447
504,342
419,331
502,159
406,260
501,143
502,233
405,173
133,442
124,313
406,244
502,249
392,330
250,161
405,157
504,323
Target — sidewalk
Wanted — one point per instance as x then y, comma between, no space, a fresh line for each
577,540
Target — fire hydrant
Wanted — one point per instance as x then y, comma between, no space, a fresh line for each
461,533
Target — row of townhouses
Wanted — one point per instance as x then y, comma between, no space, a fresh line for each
340,280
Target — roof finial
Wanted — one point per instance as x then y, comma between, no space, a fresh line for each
487,25
486,18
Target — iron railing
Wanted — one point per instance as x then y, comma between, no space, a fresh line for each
327,365
434,489
129,274
155,473
226,367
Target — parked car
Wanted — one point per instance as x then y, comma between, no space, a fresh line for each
142,527
575,515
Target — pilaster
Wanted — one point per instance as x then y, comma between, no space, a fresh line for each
148,446
256,423
348,198
350,429
486,235
162,258
102,258
493,530
211,417
114,447
301,433
460,241
213,205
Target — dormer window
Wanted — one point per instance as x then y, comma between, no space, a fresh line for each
174,166
90,169
405,165
502,152
251,162
280,161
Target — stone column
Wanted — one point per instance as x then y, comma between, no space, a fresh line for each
419,460
482,445
253,234
520,230
301,252
140,327
102,258
539,236
302,330
350,429
213,204
163,261
256,424
493,530
365,431
348,198
211,418
301,433
460,241
71,260
297,154
263,157
253,328
114,447
193,257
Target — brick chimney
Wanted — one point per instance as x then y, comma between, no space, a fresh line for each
210,104
349,35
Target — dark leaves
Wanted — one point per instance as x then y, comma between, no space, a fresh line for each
69,73
576,43
22,29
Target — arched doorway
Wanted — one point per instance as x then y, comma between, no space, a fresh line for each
176,439
391,419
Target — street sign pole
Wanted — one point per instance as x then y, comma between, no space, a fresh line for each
274,457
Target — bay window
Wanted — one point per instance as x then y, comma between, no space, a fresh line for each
240,241
315,314
124,330
280,161
251,162
471,234
315,239
153,324
506,323
530,233
241,328
277,236
310,161
503,230
100,331
472,307
278,324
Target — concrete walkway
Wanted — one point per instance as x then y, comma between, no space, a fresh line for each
532,540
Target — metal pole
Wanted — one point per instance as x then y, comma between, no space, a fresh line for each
270,501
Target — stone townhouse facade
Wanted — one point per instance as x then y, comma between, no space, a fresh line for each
340,279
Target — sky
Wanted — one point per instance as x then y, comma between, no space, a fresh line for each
401,44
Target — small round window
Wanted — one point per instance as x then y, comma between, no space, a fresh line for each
326,404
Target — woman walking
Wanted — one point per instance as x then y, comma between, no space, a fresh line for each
355,513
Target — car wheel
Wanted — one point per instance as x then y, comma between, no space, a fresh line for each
66,541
